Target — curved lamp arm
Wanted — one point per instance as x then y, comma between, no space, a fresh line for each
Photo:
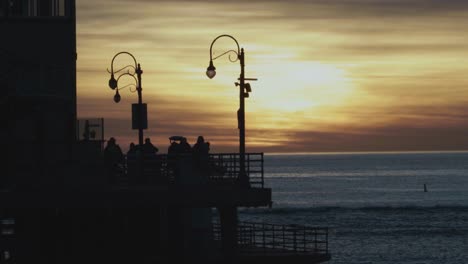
220,36
122,52
211,70
112,80
131,84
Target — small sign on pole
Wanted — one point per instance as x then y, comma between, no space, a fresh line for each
136,113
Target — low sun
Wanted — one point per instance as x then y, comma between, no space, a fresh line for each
297,86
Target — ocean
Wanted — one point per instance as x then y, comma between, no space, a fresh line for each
374,204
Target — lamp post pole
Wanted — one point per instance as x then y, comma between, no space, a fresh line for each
138,71
139,112
211,72
241,118
113,84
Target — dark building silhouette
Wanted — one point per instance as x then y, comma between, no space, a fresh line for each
56,205
38,57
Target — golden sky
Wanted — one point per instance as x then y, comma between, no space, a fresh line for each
346,75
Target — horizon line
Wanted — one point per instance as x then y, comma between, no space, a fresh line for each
365,152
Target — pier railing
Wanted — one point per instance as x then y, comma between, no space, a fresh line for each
218,169
263,238
226,168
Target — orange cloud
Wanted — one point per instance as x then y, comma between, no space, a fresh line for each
333,76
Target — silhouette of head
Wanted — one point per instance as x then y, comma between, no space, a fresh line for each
111,140
200,139
147,140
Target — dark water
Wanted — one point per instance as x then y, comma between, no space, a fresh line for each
375,204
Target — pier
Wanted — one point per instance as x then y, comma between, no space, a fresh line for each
60,202
178,212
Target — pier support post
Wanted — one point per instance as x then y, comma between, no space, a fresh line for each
228,218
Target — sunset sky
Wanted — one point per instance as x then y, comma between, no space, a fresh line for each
346,75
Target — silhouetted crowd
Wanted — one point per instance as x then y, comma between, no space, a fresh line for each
142,162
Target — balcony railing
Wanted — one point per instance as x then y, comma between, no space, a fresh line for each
263,239
220,169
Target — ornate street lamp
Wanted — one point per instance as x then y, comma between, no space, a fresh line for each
139,114
244,89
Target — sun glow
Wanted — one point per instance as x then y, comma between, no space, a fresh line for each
322,71
296,86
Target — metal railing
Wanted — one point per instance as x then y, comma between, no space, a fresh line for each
226,168
263,238
219,168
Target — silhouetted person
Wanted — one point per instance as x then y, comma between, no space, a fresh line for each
132,164
184,146
132,148
172,152
149,148
173,148
200,152
113,158
201,147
